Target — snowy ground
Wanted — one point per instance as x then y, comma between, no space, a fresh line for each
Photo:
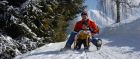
51,51
119,43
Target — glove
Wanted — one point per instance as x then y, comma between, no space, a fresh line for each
92,30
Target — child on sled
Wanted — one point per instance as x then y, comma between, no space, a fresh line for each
83,37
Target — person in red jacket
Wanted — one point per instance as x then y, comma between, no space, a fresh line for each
90,24
78,26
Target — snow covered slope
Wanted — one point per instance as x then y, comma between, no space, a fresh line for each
119,43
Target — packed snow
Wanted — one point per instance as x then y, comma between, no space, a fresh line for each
119,42
114,47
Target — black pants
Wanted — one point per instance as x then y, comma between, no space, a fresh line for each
79,42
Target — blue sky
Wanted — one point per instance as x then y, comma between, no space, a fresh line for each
91,4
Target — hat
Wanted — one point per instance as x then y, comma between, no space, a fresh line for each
84,13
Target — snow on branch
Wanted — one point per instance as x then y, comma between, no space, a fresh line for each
129,4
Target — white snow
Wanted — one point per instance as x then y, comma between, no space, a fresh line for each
118,43
99,19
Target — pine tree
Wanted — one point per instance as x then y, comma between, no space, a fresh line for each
35,23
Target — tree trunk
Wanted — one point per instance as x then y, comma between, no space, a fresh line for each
118,11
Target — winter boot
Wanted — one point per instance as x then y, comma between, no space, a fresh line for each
98,44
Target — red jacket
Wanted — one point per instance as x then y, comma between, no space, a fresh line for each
91,25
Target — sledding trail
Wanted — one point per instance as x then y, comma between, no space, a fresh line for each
119,43
51,51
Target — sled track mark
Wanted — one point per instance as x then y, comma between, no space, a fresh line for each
107,54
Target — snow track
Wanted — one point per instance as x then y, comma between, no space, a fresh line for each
119,43
51,51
